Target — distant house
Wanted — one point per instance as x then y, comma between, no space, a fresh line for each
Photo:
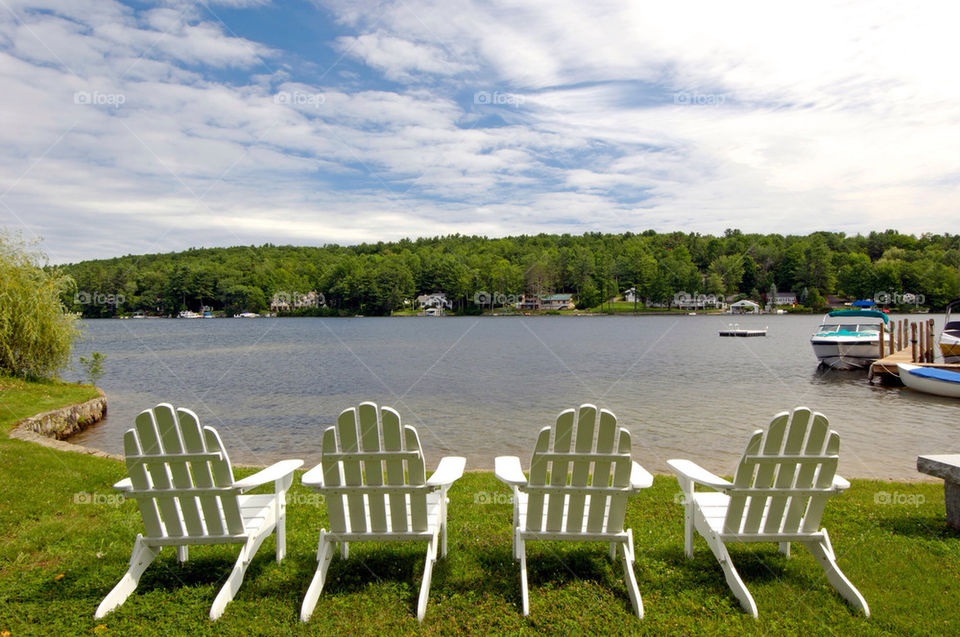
785,298
529,303
557,302
745,306
437,300
285,301
630,296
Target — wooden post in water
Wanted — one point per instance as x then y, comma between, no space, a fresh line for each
881,340
930,341
893,328
913,342
923,342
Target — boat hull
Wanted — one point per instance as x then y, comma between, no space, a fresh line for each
950,348
937,387
845,354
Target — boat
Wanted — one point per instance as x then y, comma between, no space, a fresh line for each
950,336
930,380
187,314
849,339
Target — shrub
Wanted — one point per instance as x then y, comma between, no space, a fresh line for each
36,331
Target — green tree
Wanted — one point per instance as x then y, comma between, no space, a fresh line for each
36,331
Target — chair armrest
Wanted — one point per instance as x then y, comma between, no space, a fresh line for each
839,484
448,471
640,478
507,469
124,485
695,473
313,478
272,473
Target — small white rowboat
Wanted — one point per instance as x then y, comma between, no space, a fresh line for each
930,380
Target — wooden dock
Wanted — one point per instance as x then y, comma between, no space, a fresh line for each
908,343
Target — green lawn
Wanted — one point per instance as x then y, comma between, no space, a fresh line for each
59,557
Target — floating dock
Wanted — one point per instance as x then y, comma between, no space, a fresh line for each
739,332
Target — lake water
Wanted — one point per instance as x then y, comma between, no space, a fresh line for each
483,386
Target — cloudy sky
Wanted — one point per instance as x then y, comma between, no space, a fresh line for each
156,126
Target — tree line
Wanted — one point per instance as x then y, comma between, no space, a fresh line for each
375,279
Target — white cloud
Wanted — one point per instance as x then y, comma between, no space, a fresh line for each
766,118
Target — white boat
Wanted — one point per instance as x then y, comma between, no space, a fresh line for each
849,339
930,380
190,315
950,336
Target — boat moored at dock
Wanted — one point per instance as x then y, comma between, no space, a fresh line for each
849,339
950,336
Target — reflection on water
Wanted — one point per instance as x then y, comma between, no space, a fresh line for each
483,387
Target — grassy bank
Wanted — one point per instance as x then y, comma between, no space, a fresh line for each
61,553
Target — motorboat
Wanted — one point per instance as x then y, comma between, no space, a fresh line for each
950,336
849,339
930,380
187,314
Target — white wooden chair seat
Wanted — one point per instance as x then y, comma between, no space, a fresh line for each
777,495
372,476
182,480
579,495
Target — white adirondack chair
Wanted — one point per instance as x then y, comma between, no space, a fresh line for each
777,495
183,483
372,477
579,494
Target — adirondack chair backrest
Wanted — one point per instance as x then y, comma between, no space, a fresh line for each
598,466
181,475
785,473
369,453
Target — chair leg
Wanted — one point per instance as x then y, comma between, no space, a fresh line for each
140,559
630,577
733,578
785,548
324,556
823,551
281,525
230,588
613,550
688,515
427,574
522,550
183,553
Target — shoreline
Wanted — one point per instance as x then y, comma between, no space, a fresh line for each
22,431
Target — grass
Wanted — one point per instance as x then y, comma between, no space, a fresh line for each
59,557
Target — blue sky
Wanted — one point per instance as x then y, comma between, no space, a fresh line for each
150,127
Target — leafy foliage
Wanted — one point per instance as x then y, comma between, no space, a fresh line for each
595,267
36,331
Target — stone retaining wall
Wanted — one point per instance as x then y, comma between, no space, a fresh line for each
66,421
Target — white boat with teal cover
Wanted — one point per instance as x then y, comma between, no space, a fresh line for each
849,339
950,336
930,380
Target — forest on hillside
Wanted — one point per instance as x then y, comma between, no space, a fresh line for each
375,279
